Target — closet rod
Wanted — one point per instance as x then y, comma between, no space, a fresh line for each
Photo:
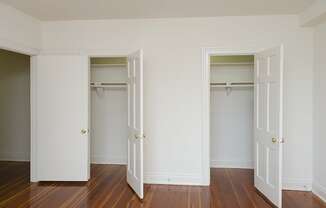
232,84
107,84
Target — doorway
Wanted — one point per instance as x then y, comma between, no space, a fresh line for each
116,108
231,111
15,119
244,137
108,110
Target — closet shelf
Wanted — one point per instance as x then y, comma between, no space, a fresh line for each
108,84
235,63
231,84
107,65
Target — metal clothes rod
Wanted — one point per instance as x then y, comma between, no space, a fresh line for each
231,83
107,84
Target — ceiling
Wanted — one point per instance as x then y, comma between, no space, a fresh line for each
117,9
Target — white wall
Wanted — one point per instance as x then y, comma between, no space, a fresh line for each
19,31
109,108
231,117
319,145
14,106
173,87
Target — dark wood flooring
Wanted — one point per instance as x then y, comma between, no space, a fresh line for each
230,188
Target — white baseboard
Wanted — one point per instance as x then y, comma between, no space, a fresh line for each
297,184
14,156
232,164
319,191
173,179
108,160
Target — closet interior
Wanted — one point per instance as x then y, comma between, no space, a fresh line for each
109,108
231,111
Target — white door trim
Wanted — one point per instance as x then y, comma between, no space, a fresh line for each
206,53
17,47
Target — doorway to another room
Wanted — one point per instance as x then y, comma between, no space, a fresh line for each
14,121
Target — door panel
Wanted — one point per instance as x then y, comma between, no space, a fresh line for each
268,123
62,118
135,123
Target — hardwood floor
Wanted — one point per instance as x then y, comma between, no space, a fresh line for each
230,188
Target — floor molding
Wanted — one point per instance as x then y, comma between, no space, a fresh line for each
172,179
319,191
231,164
14,156
108,160
297,184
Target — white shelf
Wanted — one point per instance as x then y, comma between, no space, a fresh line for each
107,65
226,63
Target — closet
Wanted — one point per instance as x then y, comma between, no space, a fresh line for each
231,111
109,110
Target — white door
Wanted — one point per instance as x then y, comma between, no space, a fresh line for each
135,123
268,123
61,124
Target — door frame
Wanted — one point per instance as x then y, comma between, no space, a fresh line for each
97,54
26,50
206,53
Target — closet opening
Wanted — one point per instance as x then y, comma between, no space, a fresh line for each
15,119
108,112
232,114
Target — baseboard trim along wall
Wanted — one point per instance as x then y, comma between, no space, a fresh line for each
319,191
108,160
173,179
14,156
232,164
297,184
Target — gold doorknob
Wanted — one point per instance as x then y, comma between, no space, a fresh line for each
84,131
274,140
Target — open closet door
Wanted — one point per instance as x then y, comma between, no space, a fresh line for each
135,123
61,123
269,123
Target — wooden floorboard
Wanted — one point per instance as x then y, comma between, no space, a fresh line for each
230,188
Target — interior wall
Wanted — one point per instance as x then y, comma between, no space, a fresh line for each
18,30
14,106
109,108
319,145
231,117
173,82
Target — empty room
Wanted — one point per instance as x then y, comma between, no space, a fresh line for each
163,104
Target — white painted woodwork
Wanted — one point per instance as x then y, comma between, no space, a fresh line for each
135,172
61,116
269,123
